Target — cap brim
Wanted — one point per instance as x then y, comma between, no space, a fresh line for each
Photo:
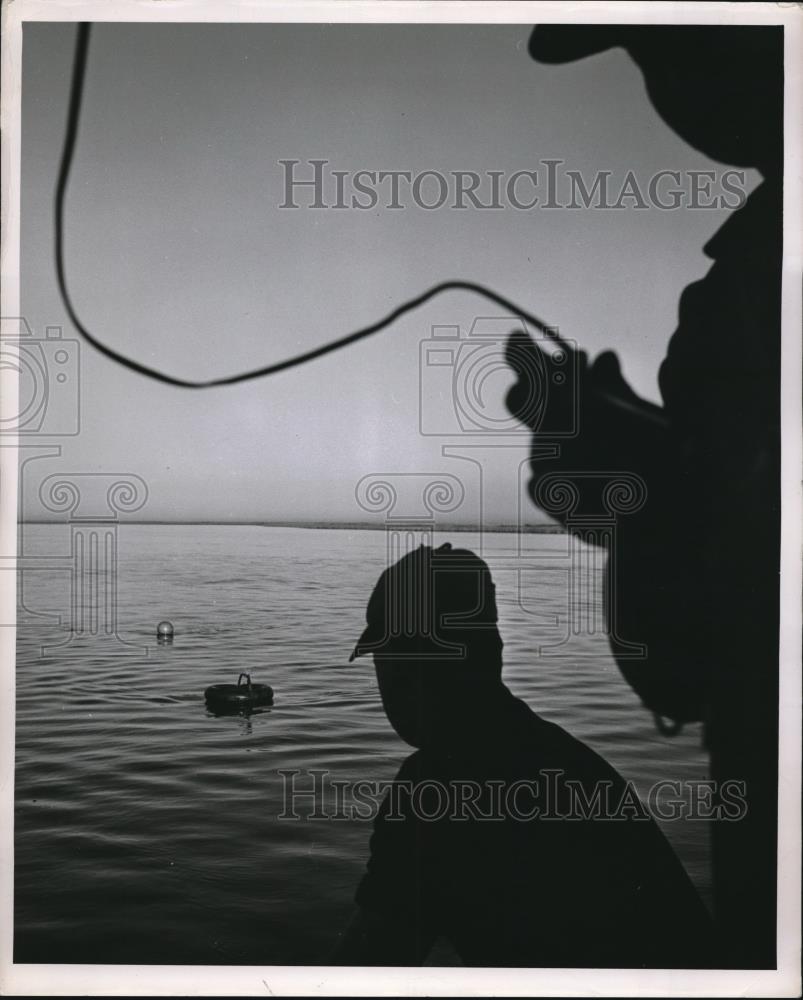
562,43
368,638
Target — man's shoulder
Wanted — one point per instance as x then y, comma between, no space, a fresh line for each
516,744
557,749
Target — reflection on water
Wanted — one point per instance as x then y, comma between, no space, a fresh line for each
147,828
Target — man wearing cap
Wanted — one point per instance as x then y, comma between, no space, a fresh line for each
502,833
697,568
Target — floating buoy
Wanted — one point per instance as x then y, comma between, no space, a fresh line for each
239,697
164,632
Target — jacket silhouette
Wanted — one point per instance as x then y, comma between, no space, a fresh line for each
502,833
697,567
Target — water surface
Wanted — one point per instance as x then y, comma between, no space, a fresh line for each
148,830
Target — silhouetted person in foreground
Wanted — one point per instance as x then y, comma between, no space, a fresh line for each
501,833
697,567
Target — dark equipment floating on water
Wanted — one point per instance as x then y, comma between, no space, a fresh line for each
239,698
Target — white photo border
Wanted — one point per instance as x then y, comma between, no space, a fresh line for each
118,980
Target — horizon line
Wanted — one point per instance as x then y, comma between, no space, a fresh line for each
543,526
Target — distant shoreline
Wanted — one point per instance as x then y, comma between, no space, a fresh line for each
505,529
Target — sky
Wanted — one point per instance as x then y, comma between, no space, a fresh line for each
179,254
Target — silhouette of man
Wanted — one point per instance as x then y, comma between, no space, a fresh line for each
502,833
697,568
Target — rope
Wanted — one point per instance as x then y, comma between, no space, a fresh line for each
73,123
642,409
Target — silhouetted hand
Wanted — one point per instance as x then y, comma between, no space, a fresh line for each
590,411
550,384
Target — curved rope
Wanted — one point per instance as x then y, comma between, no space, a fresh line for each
643,409
73,122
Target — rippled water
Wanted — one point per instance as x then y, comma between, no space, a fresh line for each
148,830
